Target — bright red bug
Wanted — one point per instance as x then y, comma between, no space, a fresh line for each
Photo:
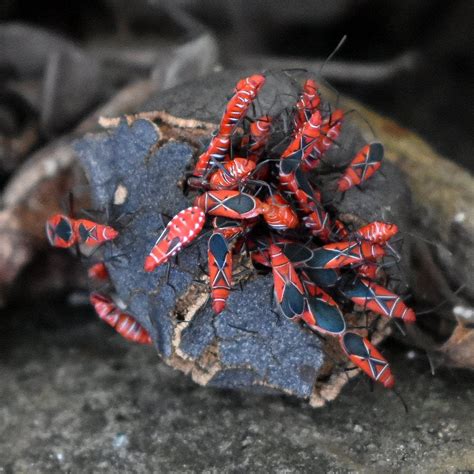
63,231
232,173
92,233
377,232
364,355
366,162
245,92
217,150
368,270
60,231
378,299
258,137
341,254
278,214
305,140
98,271
308,103
330,130
220,270
123,323
317,221
228,203
289,291
181,230
339,231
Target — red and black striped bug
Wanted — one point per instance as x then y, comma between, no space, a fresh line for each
92,233
342,254
232,174
181,230
123,323
231,204
377,232
289,291
366,162
278,214
60,231
322,314
245,92
257,139
364,355
378,299
63,231
217,150
308,103
220,270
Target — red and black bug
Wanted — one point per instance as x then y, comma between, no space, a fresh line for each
289,291
227,203
220,270
377,232
378,299
257,139
366,162
60,231
123,323
181,230
342,254
231,174
365,356
63,231
322,313
278,214
308,103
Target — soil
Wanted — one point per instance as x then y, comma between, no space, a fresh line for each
76,397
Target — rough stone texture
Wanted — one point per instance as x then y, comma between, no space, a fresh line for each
76,397
248,345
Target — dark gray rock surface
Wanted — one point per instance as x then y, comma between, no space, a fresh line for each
76,397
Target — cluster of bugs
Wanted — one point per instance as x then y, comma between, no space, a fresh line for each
261,201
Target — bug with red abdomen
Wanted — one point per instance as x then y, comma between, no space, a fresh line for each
63,231
60,231
289,291
231,204
317,221
378,299
181,230
339,231
91,233
308,103
278,214
322,313
342,254
231,174
98,271
330,131
220,270
366,162
217,150
305,140
365,355
122,322
257,139
245,92
377,232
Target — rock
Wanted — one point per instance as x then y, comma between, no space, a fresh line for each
143,160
